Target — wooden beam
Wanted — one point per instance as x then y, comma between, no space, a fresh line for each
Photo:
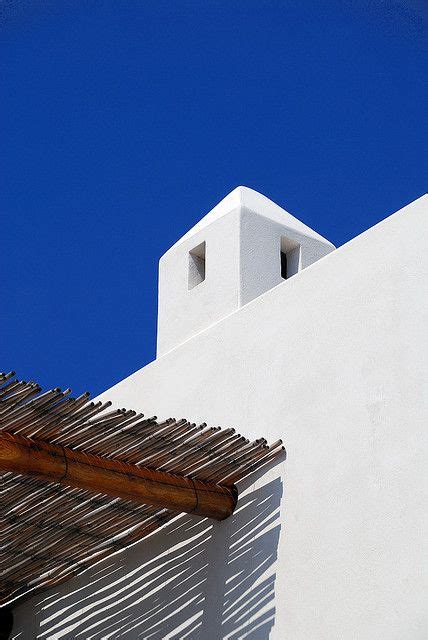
75,468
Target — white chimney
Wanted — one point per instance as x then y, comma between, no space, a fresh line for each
243,247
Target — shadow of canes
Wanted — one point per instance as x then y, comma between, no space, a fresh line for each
241,579
193,579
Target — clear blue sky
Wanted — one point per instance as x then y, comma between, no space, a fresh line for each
122,123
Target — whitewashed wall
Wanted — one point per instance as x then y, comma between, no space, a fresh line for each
241,240
330,543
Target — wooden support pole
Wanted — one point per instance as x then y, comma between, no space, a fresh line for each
65,466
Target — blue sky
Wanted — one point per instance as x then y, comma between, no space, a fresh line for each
122,123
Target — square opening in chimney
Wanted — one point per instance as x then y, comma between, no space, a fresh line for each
196,265
289,257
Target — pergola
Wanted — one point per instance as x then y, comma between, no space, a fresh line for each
81,481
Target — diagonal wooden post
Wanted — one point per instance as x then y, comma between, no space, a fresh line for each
70,467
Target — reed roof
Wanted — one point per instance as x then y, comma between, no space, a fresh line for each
51,531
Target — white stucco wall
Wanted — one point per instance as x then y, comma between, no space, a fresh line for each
242,239
329,544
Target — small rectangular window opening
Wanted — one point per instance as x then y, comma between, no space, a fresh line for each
290,257
196,265
283,265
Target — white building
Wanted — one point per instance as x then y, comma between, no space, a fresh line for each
263,326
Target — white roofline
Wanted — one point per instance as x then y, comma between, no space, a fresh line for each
258,203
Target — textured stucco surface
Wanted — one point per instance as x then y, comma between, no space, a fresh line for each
329,544
242,235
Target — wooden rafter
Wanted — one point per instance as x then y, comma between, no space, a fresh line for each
62,465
